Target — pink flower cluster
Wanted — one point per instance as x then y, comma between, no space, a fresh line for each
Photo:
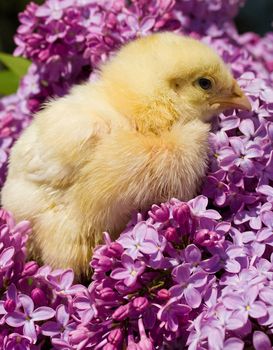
194,275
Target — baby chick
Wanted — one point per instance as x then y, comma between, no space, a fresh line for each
137,136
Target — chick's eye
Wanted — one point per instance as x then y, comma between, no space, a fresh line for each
205,83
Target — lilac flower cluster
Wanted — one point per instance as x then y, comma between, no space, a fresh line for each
215,10
156,284
194,275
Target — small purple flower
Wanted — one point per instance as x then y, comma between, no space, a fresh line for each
53,9
253,215
211,234
16,341
160,242
85,306
245,305
259,240
215,187
198,207
170,313
243,156
159,214
227,318
188,284
129,272
62,282
140,240
28,318
52,328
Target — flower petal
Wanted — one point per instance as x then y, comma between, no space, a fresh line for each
181,274
27,304
67,279
257,309
193,297
198,279
51,328
148,247
192,254
29,330
232,301
42,313
15,319
233,344
212,214
261,341
119,273
6,255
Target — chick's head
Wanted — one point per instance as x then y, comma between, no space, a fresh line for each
166,78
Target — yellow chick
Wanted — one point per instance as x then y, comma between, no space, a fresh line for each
137,136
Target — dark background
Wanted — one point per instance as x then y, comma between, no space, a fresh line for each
256,16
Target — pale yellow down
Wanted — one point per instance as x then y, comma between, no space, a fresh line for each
135,137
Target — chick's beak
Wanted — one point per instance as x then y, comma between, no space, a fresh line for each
237,99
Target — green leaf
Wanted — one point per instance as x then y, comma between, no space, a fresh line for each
17,65
9,82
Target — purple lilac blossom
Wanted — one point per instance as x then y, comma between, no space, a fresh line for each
195,275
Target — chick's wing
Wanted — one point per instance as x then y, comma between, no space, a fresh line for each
61,139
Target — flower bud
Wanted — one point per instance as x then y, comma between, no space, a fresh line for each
107,294
148,277
105,263
6,218
208,238
171,235
132,345
203,237
38,296
115,250
122,312
163,294
115,336
140,303
9,305
181,214
109,347
78,335
22,227
145,343
30,268
160,214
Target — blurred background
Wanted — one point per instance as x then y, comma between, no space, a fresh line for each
256,16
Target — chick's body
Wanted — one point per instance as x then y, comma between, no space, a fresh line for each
108,148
